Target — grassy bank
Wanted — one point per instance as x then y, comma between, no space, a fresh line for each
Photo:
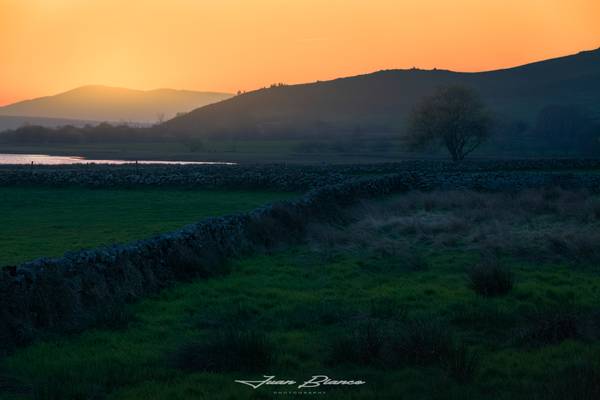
40,222
447,295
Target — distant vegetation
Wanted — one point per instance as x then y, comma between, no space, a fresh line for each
544,109
558,130
454,117
102,133
10,122
570,127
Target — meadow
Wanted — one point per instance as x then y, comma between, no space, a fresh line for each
439,295
48,221
311,151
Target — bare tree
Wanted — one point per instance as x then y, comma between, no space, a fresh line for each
454,117
160,118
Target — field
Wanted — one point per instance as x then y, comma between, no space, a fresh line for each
441,295
386,148
39,221
241,151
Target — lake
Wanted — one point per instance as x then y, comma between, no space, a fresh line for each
44,159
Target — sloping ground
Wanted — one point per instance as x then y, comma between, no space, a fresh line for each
379,102
390,295
103,103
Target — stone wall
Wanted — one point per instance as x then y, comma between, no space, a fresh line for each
268,176
76,291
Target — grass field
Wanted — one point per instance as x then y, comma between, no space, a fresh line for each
424,296
40,222
385,148
241,151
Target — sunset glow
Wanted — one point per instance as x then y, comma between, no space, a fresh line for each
50,46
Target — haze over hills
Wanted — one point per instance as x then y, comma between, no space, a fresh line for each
13,122
104,103
379,102
543,109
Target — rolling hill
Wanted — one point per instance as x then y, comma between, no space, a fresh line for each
104,103
379,102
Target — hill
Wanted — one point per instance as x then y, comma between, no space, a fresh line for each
104,103
379,102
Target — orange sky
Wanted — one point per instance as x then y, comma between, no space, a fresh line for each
49,46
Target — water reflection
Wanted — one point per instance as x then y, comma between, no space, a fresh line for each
44,159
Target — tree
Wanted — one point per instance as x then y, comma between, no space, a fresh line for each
454,117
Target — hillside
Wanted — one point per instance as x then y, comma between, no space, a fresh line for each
379,102
103,103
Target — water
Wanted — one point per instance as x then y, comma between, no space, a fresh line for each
38,159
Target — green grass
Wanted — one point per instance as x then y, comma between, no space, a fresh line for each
40,222
306,303
397,274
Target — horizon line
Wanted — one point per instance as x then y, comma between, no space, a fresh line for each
414,68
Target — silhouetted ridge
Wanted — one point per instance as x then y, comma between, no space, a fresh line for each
379,102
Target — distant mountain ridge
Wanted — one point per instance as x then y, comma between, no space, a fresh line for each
105,103
380,101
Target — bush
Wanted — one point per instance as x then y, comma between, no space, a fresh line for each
490,278
229,351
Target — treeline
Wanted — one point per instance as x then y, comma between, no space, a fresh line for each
558,130
102,133
572,129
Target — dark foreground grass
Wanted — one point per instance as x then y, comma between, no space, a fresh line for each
387,300
409,334
40,222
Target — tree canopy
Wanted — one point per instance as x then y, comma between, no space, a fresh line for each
454,117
